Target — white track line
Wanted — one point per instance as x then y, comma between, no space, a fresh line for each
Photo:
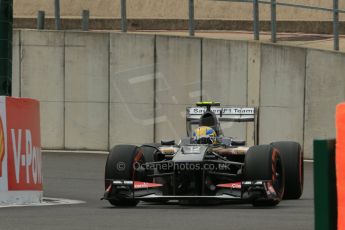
46,202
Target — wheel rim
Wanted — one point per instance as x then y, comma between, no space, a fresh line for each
138,159
277,174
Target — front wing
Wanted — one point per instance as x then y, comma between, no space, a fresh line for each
245,191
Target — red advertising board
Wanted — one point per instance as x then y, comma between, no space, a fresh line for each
23,144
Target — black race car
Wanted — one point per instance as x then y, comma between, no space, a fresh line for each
220,170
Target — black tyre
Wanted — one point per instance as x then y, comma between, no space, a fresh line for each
292,155
263,162
119,166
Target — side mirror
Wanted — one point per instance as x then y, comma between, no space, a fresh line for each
171,142
237,142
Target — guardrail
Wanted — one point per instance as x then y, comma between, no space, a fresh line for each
256,16
256,22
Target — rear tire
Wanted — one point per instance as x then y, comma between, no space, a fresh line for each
292,155
119,166
263,162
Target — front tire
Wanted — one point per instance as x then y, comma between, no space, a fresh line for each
119,166
263,162
292,156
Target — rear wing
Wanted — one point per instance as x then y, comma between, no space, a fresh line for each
227,114
234,114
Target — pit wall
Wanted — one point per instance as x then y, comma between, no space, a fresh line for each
101,89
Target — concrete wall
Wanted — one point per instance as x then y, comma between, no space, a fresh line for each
16,44
281,93
101,89
325,88
253,85
41,76
86,90
131,118
224,77
174,9
178,83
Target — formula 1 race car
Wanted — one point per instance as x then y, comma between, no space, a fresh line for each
205,166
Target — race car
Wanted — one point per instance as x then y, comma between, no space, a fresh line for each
205,166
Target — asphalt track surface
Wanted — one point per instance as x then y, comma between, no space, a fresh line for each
80,177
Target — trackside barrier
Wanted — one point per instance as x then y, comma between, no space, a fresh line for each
20,151
340,164
325,185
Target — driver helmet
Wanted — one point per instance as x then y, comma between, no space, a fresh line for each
204,135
